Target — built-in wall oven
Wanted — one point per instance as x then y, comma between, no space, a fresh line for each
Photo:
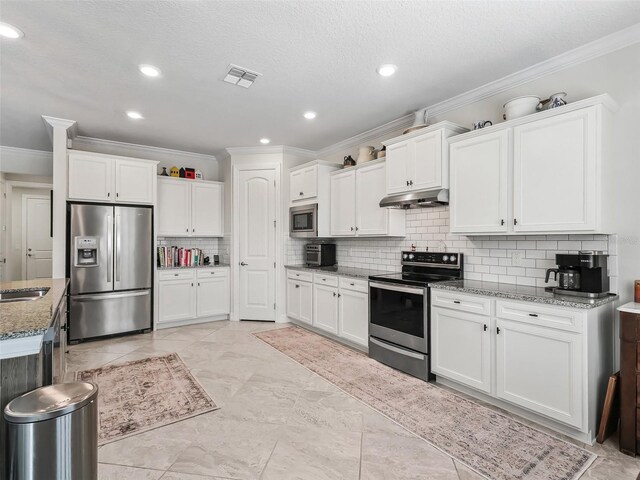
399,317
303,221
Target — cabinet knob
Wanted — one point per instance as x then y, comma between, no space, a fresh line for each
117,194
502,222
339,295
357,228
192,284
485,327
175,274
498,330
301,193
297,286
515,221
187,230
108,194
193,229
411,182
352,229
334,294
407,183
198,283
352,284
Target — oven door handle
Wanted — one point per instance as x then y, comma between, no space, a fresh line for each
397,288
392,348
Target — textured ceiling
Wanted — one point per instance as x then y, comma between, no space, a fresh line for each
78,60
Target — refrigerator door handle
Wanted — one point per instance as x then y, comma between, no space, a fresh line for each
109,247
117,266
109,296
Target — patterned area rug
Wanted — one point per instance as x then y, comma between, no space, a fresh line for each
490,443
138,396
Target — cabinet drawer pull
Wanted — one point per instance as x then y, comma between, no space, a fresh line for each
533,314
175,274
352,284
324,279
301,193
297,286
457,302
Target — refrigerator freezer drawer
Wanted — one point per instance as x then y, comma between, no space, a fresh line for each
110,313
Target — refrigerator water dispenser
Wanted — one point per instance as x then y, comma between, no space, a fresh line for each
86,249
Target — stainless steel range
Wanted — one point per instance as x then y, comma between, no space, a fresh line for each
399,323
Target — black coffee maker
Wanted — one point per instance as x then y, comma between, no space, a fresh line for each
583,274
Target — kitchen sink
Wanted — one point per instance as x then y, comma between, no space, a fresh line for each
22,295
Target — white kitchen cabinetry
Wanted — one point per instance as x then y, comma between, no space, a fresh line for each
479,193
353,315
190,208
300,296
304,183
108,178
355,203
420,160
545,362
192,295
512,178
325,307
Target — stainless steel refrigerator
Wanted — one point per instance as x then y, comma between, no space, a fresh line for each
109,263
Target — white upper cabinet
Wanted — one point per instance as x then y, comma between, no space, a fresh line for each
478,198
556,178
107,178
190,208
420,160
554,173
304,183
355,203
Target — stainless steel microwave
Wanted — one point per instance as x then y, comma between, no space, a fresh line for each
303,221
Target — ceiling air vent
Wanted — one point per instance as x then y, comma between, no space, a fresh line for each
241,76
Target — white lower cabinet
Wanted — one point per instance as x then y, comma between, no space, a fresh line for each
191,294
540,369
461,347
338,305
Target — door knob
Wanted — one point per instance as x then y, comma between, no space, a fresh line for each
243,264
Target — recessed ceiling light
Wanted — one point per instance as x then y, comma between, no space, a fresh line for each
9,31
149,70
387,69
309,115
134,115
264,141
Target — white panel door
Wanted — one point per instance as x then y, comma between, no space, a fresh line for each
177,300
296,185
461,347
174,204
399,167
134,181
37,240
257,198
370,189
427,164
479,184
325,308
540,369
207,206
310,182
213,297
306,302
3,229
354,316
343,204
293,299
555,173
91,177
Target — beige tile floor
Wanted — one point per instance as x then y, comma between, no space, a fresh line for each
277,421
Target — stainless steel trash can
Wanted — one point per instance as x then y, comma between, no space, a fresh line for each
52,433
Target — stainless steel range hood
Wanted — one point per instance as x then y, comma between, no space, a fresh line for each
428,199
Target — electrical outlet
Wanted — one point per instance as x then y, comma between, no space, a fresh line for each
516,259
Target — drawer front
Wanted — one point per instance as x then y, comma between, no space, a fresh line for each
176,275
300,275
534,314
355,284
212,272
463,302
330,280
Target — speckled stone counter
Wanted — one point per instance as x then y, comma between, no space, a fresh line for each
341,271
520,292
26,319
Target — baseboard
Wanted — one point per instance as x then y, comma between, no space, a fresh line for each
191,321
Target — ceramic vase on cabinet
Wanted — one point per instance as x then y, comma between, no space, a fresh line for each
365,154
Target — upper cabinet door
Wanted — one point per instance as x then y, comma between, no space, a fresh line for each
296,185
343,204
427,164
555,170
370,189
398,167
478,196
174,198
207,203
90,177
134,181
310,182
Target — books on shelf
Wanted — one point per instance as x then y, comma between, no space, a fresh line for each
179,257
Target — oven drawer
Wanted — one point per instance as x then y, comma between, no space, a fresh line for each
554,317
463,302
300,275
321,279
408,361
347,283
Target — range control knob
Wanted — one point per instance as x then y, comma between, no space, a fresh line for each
411,256
405,256
445,258
453,258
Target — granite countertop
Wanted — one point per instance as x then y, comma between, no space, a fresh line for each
361,273
521,292
220,265
25,319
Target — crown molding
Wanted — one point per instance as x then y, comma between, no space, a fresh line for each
99,145
272,149
602,46
24,160
53,122
25,154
